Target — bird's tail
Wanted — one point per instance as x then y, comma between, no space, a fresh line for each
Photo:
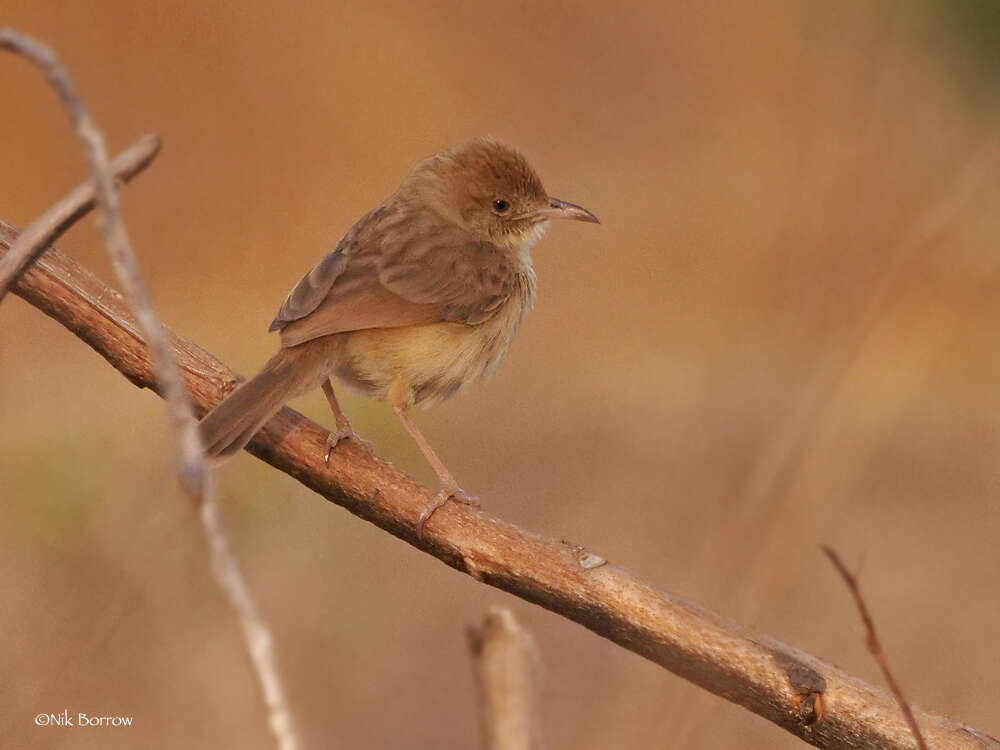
227,429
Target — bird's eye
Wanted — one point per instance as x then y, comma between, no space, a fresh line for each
500,206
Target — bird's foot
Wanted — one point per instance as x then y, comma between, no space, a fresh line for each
448,491
345,433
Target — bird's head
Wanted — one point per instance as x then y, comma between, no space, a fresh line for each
489,189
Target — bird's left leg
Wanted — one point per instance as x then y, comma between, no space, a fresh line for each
449,487
344,429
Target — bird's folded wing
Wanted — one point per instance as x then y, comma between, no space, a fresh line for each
394,270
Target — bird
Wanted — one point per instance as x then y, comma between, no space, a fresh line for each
419,299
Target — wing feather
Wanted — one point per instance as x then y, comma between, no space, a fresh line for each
390,271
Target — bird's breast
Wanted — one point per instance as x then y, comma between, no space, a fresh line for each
435,360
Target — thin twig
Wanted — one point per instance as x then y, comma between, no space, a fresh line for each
874,646
195,479
798,692
506,666
48,227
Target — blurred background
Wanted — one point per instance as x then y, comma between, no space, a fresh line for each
783,334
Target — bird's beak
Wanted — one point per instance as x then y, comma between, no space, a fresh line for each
558,209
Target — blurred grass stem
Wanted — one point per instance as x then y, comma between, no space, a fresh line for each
195,478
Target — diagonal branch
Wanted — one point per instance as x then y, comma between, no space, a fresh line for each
800,693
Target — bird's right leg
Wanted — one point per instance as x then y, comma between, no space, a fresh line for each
449,487
344,429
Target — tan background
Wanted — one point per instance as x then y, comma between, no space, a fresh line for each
785,333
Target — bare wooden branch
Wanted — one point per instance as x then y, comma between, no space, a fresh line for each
48,227
506,665
874,646
798,692
195,478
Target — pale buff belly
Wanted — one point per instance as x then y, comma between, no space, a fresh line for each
425,363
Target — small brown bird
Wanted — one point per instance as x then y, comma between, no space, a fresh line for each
420,298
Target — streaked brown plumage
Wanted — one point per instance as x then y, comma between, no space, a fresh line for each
420,298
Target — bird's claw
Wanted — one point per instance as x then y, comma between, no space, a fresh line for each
446,493
345,433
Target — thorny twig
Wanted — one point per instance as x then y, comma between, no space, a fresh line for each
874,646
48,227
193,473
